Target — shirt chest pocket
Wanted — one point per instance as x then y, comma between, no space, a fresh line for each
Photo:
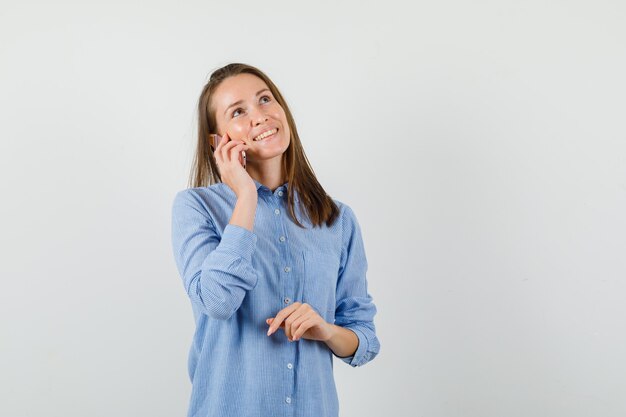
320,282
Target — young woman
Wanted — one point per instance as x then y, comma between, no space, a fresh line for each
274,267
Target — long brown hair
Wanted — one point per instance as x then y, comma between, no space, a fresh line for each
313,200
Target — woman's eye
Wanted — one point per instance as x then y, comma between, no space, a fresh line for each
234,113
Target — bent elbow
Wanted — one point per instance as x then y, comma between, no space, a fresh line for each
219,303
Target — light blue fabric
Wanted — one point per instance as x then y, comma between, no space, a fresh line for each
236,279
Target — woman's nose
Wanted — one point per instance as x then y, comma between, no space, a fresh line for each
258,117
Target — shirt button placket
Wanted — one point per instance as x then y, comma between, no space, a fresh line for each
287,300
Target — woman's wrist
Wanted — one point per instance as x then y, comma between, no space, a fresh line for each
343,342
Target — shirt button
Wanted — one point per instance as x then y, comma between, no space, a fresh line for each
287,269
287,300
288,400
282,238
280,193
277,212
289,366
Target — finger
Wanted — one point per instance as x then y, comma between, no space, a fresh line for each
224,140
217,153
221,143
293,317
226,143
227,152
287,328
216,149
304,326
235,152
282,315
230,153
295,326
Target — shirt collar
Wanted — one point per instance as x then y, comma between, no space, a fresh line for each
260,187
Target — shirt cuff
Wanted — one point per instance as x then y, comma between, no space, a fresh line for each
355,359
239,241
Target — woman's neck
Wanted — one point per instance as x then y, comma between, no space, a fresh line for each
267,172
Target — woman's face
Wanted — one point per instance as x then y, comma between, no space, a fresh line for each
245,108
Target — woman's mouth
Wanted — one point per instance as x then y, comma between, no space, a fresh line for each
266,135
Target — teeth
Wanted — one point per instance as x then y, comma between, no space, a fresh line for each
264,135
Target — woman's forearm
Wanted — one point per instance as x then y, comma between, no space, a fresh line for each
245,210
343,342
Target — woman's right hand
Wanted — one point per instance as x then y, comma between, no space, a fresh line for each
228,159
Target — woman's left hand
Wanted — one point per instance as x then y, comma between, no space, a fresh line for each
300,320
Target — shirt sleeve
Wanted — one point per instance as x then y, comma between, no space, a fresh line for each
216,272
355,309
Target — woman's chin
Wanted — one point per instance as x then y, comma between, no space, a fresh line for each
266,152
263,154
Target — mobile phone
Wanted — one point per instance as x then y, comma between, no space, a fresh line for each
214,140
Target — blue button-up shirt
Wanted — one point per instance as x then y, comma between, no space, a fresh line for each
237,278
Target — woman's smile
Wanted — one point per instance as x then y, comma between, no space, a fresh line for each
266,136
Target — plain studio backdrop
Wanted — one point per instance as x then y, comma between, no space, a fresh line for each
482,146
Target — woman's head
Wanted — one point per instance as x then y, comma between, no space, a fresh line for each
244,106
240,83
259,106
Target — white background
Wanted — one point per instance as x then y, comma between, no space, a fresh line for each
481,145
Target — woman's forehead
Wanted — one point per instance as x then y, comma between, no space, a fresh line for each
238,87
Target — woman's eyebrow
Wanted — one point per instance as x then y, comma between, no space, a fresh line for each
241,101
